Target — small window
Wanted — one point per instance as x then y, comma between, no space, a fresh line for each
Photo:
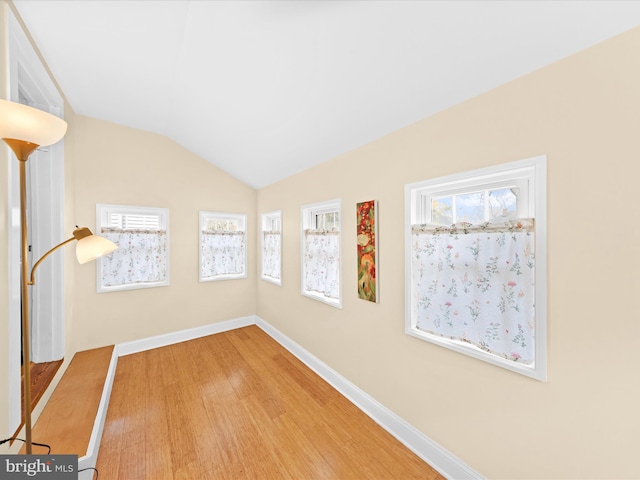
272,247
142,257
223,250
475,262
321,252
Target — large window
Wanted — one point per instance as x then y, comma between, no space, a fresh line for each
142,257
476,268
223,246
321,248
272,247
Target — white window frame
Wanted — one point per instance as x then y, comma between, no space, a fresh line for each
268,220
530,175
242,224
103,215
308,214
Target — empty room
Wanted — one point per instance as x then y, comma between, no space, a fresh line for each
320,239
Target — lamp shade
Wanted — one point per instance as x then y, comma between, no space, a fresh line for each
92,246
21,122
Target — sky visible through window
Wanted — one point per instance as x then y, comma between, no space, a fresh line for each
471,208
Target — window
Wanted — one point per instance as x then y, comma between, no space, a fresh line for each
272,247
223,246
476,264
142,258
321,245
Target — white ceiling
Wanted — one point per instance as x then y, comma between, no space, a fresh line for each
265,89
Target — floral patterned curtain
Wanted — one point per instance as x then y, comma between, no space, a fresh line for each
141,257
322,262
271,262
476,284
222,253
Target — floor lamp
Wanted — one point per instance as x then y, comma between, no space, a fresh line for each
24,129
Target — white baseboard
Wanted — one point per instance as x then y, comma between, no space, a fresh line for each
89,460
158,341
435,455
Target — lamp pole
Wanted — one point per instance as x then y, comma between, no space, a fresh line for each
26,347
23,149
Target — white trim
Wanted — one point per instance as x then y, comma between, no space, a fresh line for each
431,452
158,341
47,294
537,168
90,458
541,266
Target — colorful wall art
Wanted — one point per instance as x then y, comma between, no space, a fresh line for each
367,252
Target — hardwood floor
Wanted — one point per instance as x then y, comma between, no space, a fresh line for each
41,376
67,419
237,405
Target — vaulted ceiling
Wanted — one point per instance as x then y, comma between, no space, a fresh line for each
264,89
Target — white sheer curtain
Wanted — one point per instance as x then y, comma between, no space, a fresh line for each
476,284
322,262
271,256
222,253
141,257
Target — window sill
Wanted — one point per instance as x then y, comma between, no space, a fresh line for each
272,280
132,286
336,303
223,277
538,373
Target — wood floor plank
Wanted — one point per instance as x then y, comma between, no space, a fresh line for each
237,405
110,454
41,377
132,465
66,422
299,453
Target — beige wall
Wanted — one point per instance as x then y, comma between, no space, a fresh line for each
584,114
125,166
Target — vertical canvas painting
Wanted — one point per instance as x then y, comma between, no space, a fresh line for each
367,223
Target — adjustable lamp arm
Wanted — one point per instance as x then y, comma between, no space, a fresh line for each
99,246
32,281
